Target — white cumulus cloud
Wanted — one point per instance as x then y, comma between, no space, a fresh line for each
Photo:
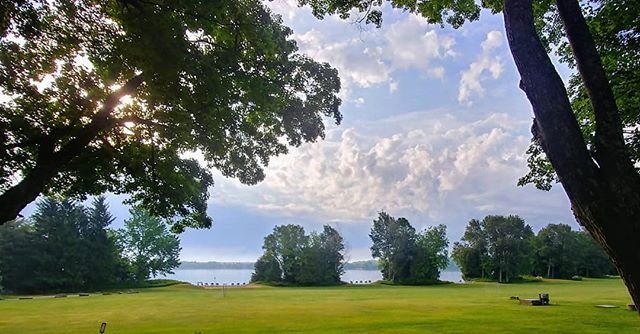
471,79
437,168
369,58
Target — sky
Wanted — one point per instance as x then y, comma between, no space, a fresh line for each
435,129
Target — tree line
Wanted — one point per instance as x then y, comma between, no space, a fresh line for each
65,246
404,256
505,247
500,248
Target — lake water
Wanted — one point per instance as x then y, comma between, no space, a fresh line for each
228,276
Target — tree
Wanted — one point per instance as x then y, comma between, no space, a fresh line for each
19,259
405,256
332,246
286,245
498,246
266,269
100,256
59,245
150,248
393,245
600,180
322,258
471,252
431,255
592,261
291,256
508,245
113,95
561,252
557,251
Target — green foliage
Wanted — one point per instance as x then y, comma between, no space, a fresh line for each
505,244
556,251
430,255
454,12
221,78
67,247
286,244
405,256
592,260
100,256
266,269
509,245
393,244
291,257
561,252
471,253
498,247
322,258
615,27
19,257
148,246
63,246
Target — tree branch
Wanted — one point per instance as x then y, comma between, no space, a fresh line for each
50,162
609,140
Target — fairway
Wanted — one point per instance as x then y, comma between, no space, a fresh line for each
470,308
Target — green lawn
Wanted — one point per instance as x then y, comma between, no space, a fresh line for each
471,308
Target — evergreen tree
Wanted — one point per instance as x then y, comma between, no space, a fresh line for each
99,256
19,257
57,225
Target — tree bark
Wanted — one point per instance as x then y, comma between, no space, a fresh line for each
549,270
50,162
609,210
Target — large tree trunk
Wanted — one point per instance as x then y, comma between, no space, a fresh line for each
50,161
605,197
618,173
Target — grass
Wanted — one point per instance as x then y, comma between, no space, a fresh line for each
471,308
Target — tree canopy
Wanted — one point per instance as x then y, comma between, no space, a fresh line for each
63,246
503,248
66,246
405,256
118,95
498,247
560,252
293,257
149,247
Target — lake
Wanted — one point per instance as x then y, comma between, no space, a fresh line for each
228,276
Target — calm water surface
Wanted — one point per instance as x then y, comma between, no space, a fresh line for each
228,276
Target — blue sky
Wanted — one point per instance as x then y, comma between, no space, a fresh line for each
435,130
